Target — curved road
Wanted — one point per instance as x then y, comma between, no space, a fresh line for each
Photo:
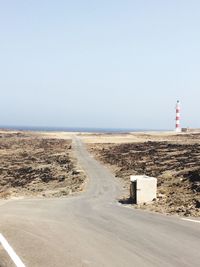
92,229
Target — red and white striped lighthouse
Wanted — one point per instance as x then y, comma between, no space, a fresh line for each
178,125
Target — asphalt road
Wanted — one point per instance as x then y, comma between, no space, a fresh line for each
93,229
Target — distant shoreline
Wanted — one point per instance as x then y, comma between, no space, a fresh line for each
77,129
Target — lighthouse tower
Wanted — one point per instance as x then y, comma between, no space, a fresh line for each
178,126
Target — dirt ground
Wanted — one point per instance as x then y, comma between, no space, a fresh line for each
138,137
173,159
42,164
35,164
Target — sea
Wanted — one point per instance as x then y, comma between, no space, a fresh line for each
78,129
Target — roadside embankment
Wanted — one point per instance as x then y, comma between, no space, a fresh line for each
174,160
35,164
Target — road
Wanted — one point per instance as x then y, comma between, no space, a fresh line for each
93,229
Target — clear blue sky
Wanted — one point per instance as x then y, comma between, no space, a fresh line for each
102,63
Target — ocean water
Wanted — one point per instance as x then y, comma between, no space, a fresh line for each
77,129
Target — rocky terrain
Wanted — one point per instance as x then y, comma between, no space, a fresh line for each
175,164
31,165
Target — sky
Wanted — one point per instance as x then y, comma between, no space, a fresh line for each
99,64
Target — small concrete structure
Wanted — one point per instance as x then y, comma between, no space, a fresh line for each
143,188
185,130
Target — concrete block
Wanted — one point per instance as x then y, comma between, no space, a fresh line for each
143,188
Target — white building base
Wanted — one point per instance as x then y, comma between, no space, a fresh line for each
178,130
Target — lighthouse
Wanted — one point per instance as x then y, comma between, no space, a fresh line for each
178,126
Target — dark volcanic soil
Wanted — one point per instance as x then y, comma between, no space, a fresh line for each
32,165
177,167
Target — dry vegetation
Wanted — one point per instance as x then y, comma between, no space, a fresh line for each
31,165
175,164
